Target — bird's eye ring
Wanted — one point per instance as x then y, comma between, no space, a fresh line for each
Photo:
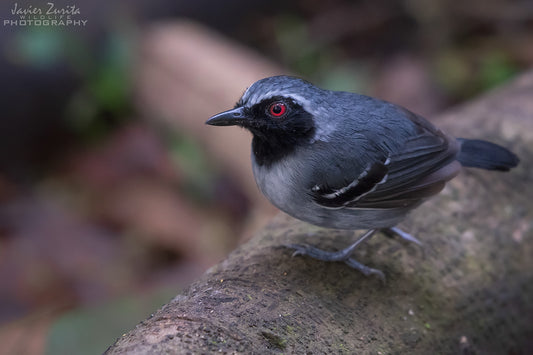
277,109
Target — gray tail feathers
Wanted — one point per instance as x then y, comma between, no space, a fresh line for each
485,155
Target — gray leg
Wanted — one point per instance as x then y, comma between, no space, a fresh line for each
319,254
344,254
341,255
397,232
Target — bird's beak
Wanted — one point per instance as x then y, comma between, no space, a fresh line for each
232,117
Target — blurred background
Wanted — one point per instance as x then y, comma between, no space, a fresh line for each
114,195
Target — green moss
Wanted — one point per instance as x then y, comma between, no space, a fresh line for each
275,340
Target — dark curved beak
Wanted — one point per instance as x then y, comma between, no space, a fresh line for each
232,117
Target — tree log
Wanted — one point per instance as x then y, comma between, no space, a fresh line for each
468,289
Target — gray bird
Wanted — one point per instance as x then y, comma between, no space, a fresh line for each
348,161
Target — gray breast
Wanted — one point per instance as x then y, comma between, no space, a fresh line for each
284,184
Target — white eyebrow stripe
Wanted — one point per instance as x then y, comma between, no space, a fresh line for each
251,100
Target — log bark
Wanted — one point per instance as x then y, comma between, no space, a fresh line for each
469,289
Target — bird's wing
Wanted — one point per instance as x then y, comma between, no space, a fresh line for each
417,171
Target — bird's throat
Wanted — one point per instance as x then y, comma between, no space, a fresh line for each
271,148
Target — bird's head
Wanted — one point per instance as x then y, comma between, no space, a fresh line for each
274,106
283,113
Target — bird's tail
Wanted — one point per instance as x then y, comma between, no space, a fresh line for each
485,155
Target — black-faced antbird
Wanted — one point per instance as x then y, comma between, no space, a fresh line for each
348,161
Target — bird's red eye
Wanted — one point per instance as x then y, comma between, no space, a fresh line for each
277,109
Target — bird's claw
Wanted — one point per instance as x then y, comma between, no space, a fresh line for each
315,253
366,270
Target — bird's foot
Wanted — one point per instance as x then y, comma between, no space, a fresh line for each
341,255
344,254
366,270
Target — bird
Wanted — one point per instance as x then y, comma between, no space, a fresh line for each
343,160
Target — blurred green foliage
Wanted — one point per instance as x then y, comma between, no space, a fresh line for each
466,55
312,58
464,74
39,48
92,330
190,158
103,97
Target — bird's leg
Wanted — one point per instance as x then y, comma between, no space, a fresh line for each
319,254
341,255
397,232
